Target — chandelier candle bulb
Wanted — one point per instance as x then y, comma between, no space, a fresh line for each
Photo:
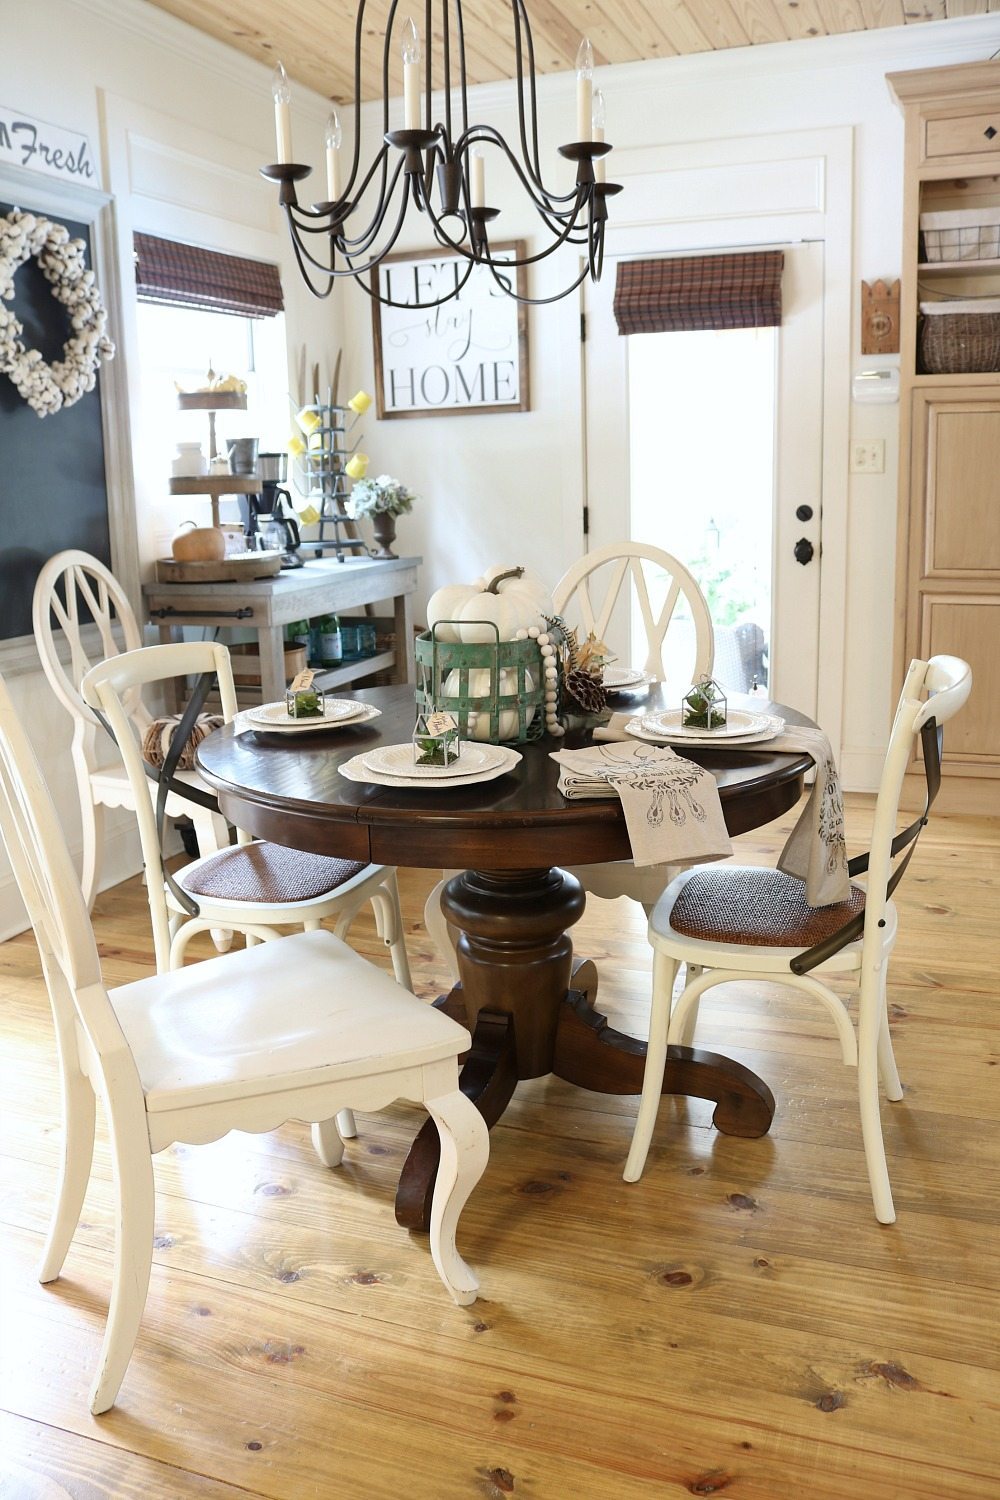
584,90
597,118
410,49
477,179
334,136
282,113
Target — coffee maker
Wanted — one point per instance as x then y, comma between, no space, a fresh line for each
269,519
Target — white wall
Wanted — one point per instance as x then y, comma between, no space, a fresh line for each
507,487
161,104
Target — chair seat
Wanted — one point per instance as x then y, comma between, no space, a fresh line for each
752,907
266,874
300,1010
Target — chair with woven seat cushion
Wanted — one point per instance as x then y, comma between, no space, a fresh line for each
71,586
252,888
742,923
589,594
190,1055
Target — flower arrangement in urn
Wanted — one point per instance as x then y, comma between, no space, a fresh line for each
382,499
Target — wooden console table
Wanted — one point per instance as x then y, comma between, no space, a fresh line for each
266,605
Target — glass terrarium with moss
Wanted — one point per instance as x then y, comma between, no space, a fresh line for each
435,739
704,705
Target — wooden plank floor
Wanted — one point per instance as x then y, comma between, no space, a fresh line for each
736,1323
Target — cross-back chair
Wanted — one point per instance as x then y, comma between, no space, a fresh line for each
70,585
744,923
300,1030
252,887
587,594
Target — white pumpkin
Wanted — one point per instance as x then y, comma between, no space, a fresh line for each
479,687
512,580
498,598
502,602
444,605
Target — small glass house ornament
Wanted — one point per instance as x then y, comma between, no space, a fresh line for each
704,705
435,740
302,700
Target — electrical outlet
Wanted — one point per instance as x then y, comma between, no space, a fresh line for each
868,456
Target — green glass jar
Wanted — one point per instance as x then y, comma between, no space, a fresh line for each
298,634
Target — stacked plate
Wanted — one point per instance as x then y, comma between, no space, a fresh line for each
394,765
275,718
625,679
740,728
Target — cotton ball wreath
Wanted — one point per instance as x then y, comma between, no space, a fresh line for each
46,388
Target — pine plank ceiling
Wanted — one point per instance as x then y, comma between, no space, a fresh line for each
315,38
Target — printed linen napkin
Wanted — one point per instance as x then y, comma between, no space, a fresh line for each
671,806
815,851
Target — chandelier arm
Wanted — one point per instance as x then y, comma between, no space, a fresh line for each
505,285
446,44
356,157
331,271
531,158
428,36
385,66
543,200
360,242
388,301
444,238
463,80
321,291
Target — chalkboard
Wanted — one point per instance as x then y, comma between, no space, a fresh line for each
53,484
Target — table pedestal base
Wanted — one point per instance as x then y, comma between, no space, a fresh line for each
531,1013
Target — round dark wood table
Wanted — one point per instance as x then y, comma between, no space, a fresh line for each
529,1007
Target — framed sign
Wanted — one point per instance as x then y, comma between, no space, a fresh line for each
470,354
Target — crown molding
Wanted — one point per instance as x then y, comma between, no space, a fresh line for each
158,28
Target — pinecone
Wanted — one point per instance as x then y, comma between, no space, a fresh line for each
587,691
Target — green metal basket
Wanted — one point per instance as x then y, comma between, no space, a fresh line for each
515,706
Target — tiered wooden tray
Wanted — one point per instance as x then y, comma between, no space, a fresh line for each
214,485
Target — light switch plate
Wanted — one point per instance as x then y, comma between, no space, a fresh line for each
868,456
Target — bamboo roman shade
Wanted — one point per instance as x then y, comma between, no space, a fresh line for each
699,291
167,271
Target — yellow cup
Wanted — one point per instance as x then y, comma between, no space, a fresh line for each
357,466
308,420
309,515
296,446
316,442
360,402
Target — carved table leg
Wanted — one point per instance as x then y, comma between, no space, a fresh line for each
591,1054
515,959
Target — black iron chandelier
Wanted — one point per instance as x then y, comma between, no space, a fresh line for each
357,226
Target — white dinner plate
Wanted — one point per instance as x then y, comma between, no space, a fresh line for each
738,723
274,718
356,770
615,678
650,727
397,760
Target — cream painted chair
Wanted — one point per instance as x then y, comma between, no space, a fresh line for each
587,595
253,887
299,1029
69,585
743,923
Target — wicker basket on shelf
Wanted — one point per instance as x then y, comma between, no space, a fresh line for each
495,691
959,337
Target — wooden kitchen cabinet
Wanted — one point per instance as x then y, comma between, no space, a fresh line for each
947,586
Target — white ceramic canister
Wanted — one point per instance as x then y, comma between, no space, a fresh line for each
189,461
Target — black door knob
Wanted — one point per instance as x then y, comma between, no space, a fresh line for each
804,513
804,550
